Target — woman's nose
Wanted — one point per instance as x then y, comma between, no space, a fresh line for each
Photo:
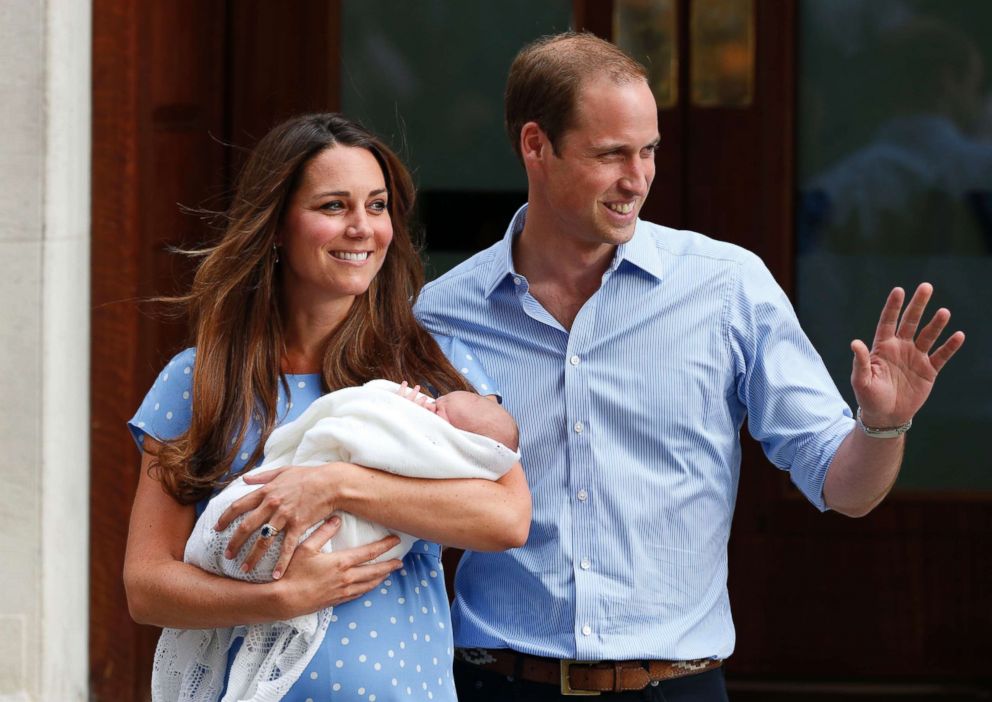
359,227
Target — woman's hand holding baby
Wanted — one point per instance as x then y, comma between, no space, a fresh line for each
317,580
292,499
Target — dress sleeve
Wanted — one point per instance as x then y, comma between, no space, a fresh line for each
167,409
468,364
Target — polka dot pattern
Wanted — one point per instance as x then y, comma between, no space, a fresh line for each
393,643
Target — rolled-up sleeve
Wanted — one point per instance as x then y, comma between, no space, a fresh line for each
794,408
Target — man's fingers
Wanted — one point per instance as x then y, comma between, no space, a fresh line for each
861,365
914,311
950,347
889,318
932,331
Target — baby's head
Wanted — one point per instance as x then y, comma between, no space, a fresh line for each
474,413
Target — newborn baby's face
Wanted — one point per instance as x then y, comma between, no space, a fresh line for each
451,407
459,404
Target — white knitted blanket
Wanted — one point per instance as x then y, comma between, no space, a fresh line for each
372,426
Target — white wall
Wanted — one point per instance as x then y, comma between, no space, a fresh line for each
44,348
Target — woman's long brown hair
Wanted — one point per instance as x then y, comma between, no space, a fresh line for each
234,310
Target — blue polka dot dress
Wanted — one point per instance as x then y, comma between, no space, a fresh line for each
393,643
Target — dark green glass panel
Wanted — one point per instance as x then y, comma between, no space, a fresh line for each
895,188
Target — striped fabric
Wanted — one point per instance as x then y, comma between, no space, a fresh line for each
630,427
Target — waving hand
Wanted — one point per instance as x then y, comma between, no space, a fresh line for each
893,379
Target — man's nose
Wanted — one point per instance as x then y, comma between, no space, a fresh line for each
637,175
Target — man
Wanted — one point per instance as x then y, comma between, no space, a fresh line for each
630,355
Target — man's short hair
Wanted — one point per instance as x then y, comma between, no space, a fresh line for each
547,74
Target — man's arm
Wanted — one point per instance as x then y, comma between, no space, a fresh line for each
891,382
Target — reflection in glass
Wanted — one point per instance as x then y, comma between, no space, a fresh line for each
429,77
647,30
895,176
430,74
722,46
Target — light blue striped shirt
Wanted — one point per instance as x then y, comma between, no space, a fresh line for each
630,439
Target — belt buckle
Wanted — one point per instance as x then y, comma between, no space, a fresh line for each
566,686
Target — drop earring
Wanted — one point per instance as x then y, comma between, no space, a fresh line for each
275,250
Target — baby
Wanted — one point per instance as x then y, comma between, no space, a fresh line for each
370,429
379,425
469,412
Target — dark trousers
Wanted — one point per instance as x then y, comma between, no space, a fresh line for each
478,684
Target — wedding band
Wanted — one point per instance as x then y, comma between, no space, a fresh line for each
268,531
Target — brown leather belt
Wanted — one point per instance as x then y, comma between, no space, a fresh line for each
582,677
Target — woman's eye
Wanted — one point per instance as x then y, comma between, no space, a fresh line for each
378,206
333,205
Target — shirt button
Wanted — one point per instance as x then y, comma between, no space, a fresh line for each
582,495
575,360
517,281
585,564
579,427
586,630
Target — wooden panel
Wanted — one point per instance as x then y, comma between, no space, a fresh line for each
594,16
282,63
115,336
157,98
171,83
739,176
185,149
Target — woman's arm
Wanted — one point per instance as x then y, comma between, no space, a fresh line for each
164,591
482,515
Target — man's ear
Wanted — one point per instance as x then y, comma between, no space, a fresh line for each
534,143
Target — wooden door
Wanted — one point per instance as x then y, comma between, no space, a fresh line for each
158,85
178,89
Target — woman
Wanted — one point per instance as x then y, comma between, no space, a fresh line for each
310,290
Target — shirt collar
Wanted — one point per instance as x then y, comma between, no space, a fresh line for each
502,262
640,251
